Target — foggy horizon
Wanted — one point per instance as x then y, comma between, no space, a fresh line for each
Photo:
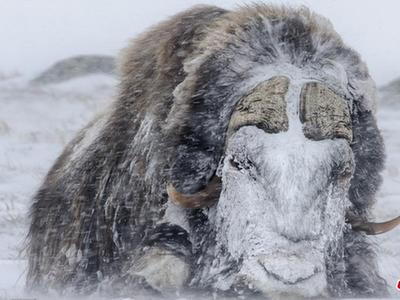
35,34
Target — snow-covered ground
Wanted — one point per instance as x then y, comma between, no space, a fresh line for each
37,122
35,125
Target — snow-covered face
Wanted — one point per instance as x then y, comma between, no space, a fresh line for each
282,207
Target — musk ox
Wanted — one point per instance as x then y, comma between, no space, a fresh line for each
241,156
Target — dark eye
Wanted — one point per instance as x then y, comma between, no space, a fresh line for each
241,164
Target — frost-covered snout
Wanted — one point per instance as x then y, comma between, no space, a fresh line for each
282,206
285,180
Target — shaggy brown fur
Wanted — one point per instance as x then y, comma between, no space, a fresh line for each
81,199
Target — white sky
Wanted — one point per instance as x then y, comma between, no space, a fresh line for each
35,33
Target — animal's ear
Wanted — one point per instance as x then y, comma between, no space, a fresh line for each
369,155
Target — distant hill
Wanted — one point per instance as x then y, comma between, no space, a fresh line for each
77,66
390,93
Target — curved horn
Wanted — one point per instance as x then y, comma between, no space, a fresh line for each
200,199
264,107
325,114
371,228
